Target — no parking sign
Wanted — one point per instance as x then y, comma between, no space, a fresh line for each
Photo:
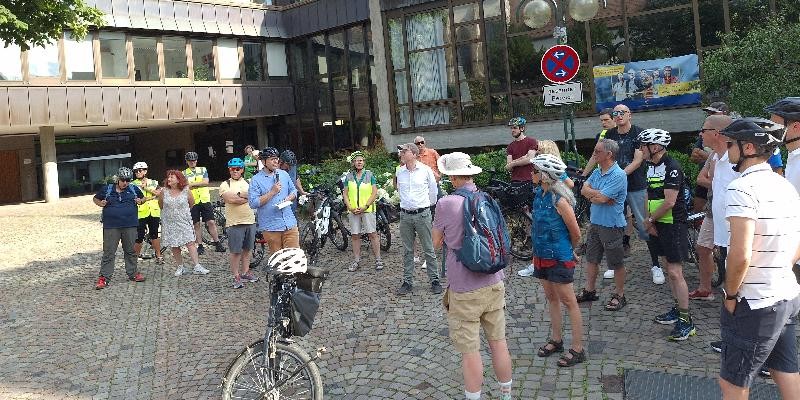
560,63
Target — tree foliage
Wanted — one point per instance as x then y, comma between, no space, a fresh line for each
752,70
36,23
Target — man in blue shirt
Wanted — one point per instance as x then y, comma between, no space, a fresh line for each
271,194
120,221
606,189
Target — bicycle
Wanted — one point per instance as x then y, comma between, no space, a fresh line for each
382,226
694,222
582,204
219,217
148,252
275,367
515,205
326,224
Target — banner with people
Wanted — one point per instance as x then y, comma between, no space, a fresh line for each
644,85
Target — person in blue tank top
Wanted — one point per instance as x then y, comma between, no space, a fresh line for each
555,233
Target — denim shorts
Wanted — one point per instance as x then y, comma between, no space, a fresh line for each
558,273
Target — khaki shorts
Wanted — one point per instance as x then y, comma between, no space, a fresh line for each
468,312
362,223
705,237
282,239
601,239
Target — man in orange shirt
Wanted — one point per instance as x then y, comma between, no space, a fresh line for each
429,157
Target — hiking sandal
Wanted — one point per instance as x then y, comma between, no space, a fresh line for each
620,302
577,358
587,296
557,347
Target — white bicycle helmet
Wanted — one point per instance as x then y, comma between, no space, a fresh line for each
140,165
655,136
290,260
551,164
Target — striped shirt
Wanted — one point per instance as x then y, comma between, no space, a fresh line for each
772,202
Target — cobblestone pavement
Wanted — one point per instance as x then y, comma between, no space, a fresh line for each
172,338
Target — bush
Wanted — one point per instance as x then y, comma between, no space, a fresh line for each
690,169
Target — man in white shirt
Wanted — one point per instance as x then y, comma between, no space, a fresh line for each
762,298
417,187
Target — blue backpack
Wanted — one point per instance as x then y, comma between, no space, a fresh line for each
486,245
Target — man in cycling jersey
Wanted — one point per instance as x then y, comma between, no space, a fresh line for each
271,194
360,193
149,211
202,208
666,224
241,228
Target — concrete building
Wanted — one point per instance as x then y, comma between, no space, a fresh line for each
163,77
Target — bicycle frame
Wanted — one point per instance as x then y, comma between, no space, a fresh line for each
322,215
277,323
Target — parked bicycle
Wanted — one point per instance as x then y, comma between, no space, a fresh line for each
582,204
219,217
326,224
383,212
694,221
515,205
275,367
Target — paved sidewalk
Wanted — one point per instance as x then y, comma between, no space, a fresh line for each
172,338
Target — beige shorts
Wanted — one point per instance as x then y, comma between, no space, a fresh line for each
282,240
705,237
468,312
362,223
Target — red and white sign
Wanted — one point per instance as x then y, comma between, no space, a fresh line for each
560,63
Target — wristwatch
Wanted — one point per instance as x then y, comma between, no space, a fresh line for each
733,296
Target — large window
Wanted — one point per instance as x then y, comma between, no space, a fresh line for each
79,58
228,52
113,55
11,67
203,60
43,61
253,61
175,66
145,59
276,60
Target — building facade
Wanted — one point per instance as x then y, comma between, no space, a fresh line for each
163,77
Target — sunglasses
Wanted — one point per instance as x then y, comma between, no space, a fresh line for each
706,129
141,170
420,142
619,113
235,169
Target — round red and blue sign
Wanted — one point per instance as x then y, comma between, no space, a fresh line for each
560,63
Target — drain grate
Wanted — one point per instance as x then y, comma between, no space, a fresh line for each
647,385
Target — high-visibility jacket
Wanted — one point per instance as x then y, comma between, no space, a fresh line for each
360,190
150,207
201,194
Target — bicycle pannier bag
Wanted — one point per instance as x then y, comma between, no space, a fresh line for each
486,245
305,300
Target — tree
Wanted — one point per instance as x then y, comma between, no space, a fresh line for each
36,23
750,71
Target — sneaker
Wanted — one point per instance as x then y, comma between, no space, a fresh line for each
219,248
416,259
249,278
160,260
527,271
424,265
405,288
378,265
199,270
180,271
701,295
102,282
138,277
658,275
237,284
201,250
353,266
683,329
609,274
436,287
669,317
717,346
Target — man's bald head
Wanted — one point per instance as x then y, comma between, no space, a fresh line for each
621,107
718,121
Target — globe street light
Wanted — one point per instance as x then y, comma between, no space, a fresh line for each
536,14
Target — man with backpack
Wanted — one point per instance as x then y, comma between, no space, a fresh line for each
120,221
473,299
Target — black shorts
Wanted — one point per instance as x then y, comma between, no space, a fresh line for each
671,242
204,211
559,273
147,225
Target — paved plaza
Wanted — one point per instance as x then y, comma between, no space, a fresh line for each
172,338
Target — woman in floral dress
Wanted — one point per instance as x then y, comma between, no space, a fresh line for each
176,221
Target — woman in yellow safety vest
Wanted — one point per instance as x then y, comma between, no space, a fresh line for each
360,194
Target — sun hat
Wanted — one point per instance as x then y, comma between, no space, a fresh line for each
457,164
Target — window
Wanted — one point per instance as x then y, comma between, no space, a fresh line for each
747,13
175,58
145,59
253,61
113,55
712,22
661,35
11,67
79,58
203,60
431,67
491,8
276,60
472,78
43,61
228,53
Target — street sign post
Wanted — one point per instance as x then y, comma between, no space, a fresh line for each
565,93
560,63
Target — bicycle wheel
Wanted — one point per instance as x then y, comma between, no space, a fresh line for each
719,276
581,210
692,241
519,231
259,250
309,241
385,231
338,233
249,378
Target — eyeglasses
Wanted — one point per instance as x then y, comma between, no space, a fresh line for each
141,170
420,142
707,129
238,169
598,151
124,180
619,113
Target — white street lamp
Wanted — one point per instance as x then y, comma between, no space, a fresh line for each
536,14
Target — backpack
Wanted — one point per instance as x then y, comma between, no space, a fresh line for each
110,187
486,245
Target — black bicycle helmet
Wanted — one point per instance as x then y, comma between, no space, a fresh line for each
268,152
755,130
125,174
191,156
288,157
787,108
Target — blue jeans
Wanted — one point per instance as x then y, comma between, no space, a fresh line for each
636,201
412,225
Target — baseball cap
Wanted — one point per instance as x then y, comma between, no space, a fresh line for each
410,147
717,107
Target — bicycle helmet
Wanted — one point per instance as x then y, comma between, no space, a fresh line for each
236,162
517,121
290,260
124,174
268,152
288,157
551,164
191,156
787,108
655,136
140,165
755,130
353,155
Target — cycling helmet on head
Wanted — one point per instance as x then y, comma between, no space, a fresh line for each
236,162
288,157
124,173
191,156
140,165
655,136
288,261
268,152
755,130
353,155
551,164
517,121
787,108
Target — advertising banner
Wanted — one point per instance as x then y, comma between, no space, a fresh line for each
652,84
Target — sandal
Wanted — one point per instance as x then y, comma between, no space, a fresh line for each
616,306
577,358
557,347
353,266
587,296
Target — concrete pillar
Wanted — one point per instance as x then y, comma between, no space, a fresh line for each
377,26
47,142
261,132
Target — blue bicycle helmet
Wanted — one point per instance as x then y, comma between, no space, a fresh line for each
517,121
236,162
